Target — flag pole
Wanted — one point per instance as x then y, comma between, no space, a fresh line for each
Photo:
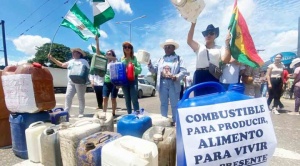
57,30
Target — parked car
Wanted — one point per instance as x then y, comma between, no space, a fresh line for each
144,89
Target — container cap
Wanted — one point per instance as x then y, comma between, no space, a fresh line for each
89,146
49,131
157,137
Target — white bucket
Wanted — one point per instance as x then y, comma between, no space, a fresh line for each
32,134
143,57
189,9
129,151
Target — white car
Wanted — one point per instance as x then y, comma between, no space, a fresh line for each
144,89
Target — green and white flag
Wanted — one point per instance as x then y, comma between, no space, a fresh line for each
102,12
79,23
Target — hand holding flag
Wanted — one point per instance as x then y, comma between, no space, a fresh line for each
242,47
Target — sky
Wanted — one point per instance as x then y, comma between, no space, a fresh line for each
273,25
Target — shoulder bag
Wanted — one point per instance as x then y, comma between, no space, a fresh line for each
214,70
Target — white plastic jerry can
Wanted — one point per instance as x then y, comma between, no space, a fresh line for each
32,134
49,147
128,151
189,9
143,56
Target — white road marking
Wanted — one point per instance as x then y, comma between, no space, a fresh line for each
287,154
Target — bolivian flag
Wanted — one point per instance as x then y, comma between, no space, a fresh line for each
242,47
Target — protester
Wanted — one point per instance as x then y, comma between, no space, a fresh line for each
275,82
253,87
72,88
263,86
296,84
108,87
131,90
97,81
231,73
215,53
169,76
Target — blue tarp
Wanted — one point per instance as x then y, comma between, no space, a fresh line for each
287,57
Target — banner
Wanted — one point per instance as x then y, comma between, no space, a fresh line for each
228,134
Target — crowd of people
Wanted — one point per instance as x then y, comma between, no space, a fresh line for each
173,79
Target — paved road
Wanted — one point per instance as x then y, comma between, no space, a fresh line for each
287,129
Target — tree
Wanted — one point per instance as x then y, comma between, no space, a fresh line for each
59,51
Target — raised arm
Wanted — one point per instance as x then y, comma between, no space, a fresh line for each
227,55
57,62
97,45
190,41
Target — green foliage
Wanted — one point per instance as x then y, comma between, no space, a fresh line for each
58,51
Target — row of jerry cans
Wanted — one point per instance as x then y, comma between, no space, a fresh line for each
19,122
83,144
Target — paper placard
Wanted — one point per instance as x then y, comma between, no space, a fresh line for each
228,134
19,94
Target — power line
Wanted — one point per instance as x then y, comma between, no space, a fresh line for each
30,15
43,18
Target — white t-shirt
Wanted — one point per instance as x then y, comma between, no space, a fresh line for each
276,71
76,61
215,54
98,81
231,73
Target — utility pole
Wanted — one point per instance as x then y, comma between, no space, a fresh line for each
4,42
298,48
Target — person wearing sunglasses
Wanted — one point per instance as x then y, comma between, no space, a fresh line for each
207,52
107,87
131,90
169,74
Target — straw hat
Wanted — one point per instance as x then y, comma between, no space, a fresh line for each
170,42
294,62
78,50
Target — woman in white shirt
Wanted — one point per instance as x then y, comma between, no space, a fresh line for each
72,88
215,53
275,83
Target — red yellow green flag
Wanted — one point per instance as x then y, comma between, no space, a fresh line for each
242,47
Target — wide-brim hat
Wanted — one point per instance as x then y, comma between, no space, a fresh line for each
294,62
170,42
78,50
211,28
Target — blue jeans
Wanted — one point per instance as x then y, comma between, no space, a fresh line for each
167,91
131,95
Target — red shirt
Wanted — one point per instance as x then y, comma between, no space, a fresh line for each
285,75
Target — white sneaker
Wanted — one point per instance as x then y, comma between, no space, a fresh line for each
275,111
80,116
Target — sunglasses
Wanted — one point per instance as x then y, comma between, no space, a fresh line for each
210,33
168,46
127,47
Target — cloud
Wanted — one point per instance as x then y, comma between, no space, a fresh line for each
13,62
28,43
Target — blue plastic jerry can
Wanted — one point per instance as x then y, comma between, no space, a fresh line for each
134,125
234,93
118,74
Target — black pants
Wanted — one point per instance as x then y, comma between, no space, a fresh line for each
201,76
275,92
181,92
98,91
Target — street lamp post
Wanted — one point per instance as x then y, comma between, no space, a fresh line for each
120,22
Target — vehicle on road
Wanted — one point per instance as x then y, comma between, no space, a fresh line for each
60,80
144,89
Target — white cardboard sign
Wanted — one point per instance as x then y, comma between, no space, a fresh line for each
228,134
19,94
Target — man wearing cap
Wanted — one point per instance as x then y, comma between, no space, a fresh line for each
208,52
72,88
169,74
